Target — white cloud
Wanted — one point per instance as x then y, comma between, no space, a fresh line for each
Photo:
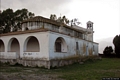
39,7
104,13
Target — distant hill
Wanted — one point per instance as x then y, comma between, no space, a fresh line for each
105,42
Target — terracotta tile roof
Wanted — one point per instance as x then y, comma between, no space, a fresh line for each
23,32
33,31
42,19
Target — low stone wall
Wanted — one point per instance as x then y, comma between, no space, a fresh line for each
30,63
59,63
10,61
71,60
35,63
46,63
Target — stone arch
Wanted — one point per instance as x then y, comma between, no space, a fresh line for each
60,45
2,46
31,44
14,46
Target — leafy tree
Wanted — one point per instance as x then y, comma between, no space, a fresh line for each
116,42
107,51
53,17
6,20
75,22
110,49
12,20
59,19
21,15
65,20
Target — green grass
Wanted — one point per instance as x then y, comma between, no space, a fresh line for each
90,70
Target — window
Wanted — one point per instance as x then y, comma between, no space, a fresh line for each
90,25
93,48
80,35
31,23
58,46
77,47
87,25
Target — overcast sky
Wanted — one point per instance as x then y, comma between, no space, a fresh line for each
104,13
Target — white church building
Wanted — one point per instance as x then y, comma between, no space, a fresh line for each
47,43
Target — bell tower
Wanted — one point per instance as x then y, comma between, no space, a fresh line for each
90,25
89,31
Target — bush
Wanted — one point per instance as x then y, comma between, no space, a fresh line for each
108,51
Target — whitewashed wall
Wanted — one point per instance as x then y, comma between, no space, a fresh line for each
8,55
71,44
46,42
42,38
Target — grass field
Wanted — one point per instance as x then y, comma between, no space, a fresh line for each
90,70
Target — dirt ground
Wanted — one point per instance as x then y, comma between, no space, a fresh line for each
18,76
25,73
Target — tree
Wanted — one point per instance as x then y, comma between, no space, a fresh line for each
6,20
21,15
53,17
12,20
64,20
108,51
75,22
116,42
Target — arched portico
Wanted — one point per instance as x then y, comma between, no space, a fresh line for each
14,46
2,46
31,44
60,45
